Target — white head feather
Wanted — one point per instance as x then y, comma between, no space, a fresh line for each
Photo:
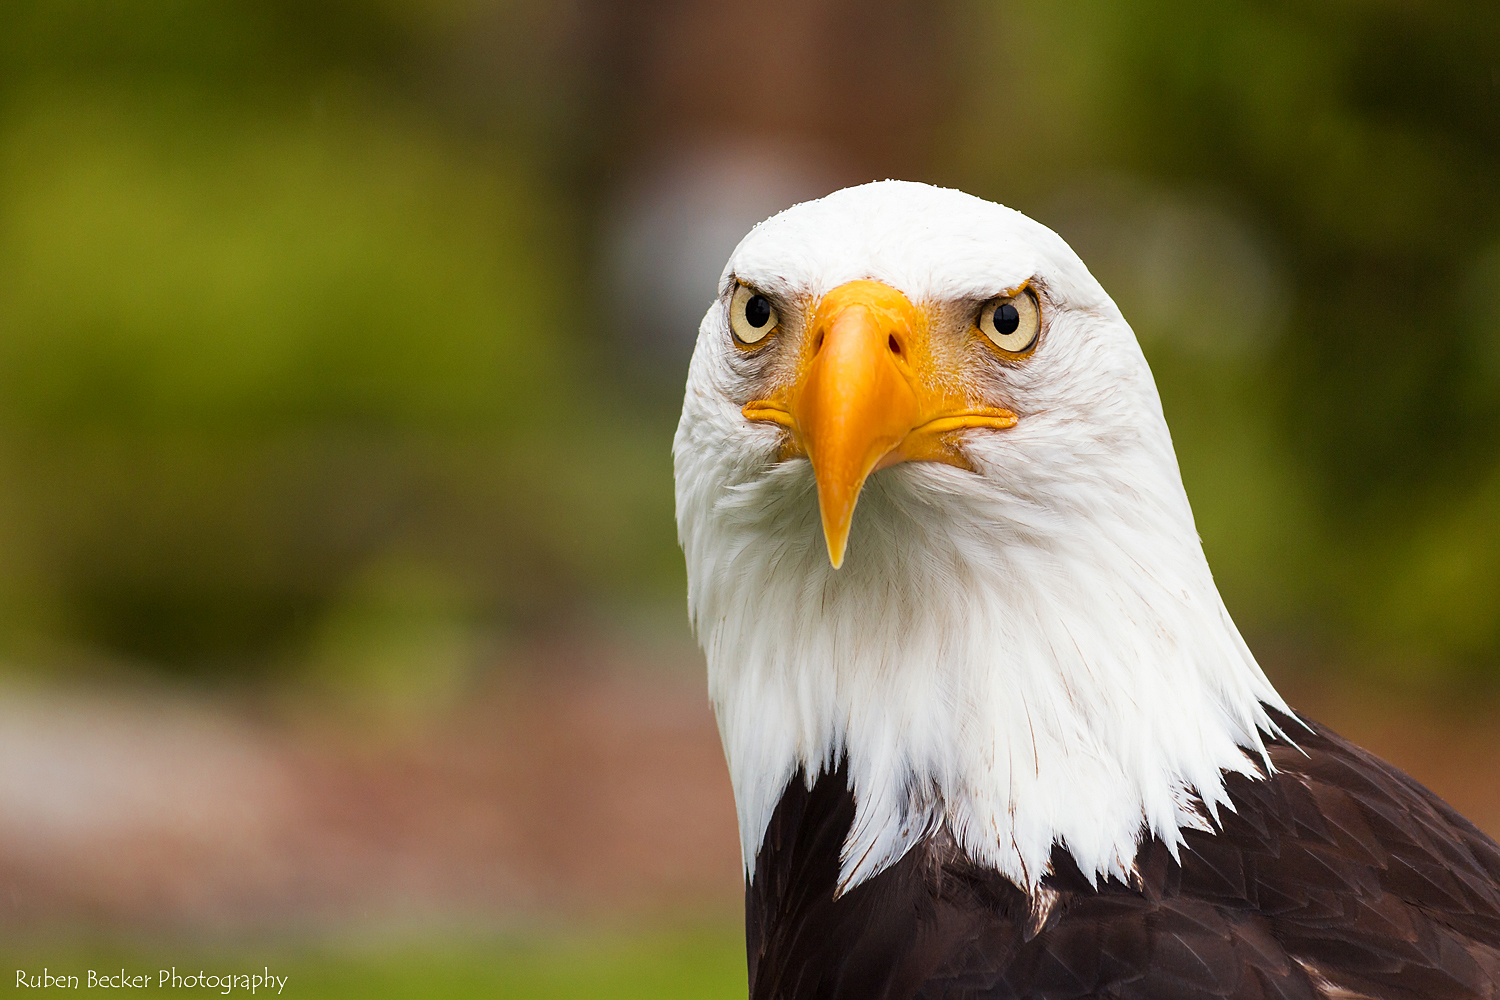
1030,653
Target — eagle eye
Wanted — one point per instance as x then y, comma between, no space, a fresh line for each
751,316
1011,323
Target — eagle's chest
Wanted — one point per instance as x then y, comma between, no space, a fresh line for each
1336,876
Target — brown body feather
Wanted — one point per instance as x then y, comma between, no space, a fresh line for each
1336,876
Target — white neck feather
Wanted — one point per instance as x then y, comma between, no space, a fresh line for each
1044,662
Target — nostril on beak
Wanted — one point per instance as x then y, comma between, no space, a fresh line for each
894,345
818,342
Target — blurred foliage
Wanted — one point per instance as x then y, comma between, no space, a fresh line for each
283,349
300,369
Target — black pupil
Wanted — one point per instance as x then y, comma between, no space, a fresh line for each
1006,319
758,311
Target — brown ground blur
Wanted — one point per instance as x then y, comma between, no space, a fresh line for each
594,793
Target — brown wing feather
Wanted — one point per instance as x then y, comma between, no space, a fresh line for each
1337,876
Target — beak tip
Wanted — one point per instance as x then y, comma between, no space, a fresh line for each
836,536
838,543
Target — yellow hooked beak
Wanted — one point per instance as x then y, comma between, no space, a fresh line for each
868,394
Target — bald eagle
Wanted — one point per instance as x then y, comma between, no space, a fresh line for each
995,734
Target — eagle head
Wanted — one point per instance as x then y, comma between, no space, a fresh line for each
935,530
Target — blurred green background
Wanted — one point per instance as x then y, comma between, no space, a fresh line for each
305,338
341,340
